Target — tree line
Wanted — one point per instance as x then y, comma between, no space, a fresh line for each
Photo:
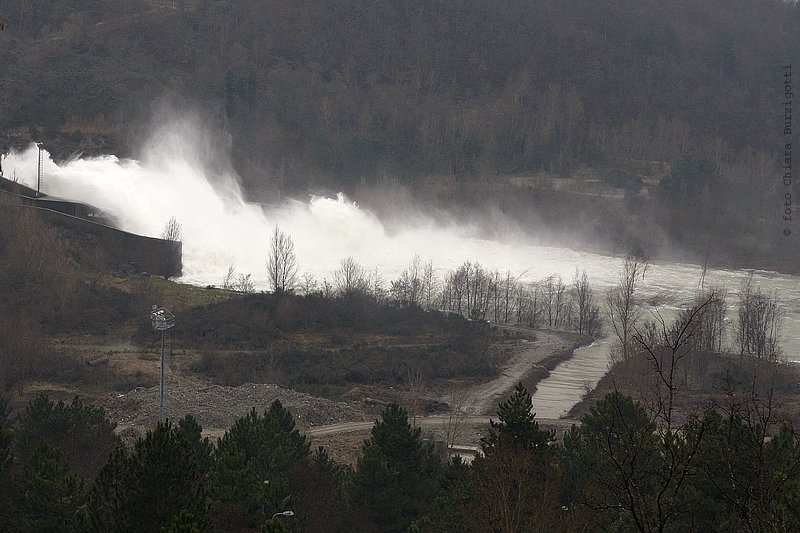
474,292
629,466
477,88
445,99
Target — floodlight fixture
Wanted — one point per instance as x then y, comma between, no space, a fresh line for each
161,318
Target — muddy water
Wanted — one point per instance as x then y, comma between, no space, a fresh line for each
671,284
570,380
221,229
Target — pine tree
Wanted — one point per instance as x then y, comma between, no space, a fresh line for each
395,479
517,425
50,495
81,430
182,523
514,483
192,432
161,480
254,460
6,460
6,437
142,491
105,509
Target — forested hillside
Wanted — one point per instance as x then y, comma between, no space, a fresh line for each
431,94
466,87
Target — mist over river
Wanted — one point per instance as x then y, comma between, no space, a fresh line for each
220,229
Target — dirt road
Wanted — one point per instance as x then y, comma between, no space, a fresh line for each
527,355
328,423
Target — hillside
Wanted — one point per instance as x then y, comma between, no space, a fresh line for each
444,99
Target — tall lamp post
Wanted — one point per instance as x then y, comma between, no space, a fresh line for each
39,168
162,321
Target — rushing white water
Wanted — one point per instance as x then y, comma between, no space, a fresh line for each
221,229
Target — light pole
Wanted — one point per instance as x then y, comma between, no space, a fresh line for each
284,513
39,170
162,321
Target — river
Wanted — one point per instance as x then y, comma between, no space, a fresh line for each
221,229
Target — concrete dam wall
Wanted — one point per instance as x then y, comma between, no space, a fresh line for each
126,250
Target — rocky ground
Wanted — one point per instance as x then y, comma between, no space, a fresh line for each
216,408
347,423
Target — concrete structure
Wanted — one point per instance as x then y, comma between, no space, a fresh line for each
143,254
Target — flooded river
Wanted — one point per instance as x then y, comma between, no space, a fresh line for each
221,229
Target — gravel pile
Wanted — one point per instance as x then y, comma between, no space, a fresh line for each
216,408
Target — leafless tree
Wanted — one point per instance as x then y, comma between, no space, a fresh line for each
351,279
407,290
586,313
467,291
637,456
453,425
516,490
229,281
172,235
554,300
416,388
709,326
623,307
376,286
244,284
760,321
281,263
429,286
308,284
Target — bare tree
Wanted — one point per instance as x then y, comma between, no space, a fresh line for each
586,313
281,263
760,321
244,284
624,309
554,301
376,286
172,235
709,329
635,455
351,279
308,284
453,425
429,286
229,281
416,388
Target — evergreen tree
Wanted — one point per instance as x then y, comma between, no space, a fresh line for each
395,479
315,486
81,430
50,495
614,462
105,508
514,482
453,496
161,480
6,460
6,437
747,479
689,178
192,432
142,491
517,425
183,523
254,460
